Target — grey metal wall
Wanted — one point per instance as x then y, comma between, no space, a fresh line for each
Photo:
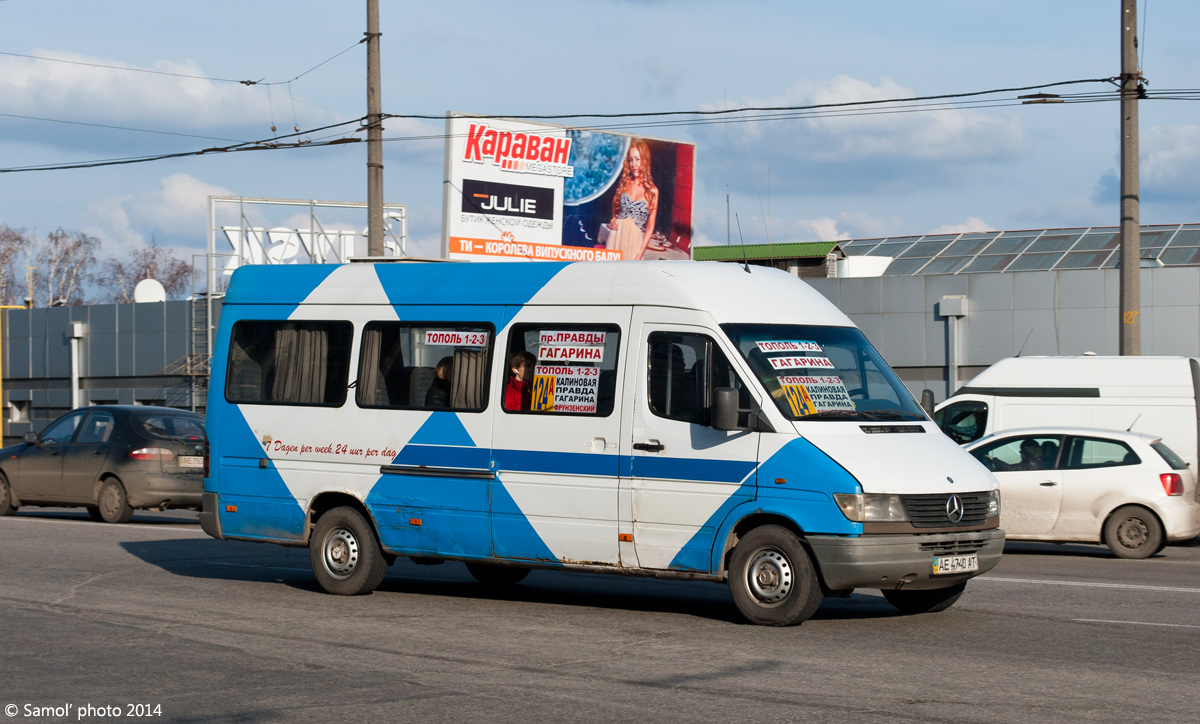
1046,312
129,354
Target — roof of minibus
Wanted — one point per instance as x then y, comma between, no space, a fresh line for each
1085,371
727,291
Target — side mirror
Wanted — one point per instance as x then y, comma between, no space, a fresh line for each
30,437
927,402
725,409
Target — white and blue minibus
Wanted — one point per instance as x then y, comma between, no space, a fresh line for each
692,420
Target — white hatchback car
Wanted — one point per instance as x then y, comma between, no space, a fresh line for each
1124,489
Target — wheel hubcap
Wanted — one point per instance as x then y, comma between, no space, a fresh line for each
340,553
1132,532
770,576
108,500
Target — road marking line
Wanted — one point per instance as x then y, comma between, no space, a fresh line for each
118,526
1135,623
1089,584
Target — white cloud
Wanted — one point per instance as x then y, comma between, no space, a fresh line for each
178,209
863,147
1082,212
1169,158
86,93
973,223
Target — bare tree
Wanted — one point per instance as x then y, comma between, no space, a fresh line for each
13,245
153,262
65,261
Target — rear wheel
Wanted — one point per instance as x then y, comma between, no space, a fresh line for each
772,579
1133,532
6,503
94,513
344,553
113,503
499,576
930,601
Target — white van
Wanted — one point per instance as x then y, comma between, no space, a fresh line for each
1154,395
690,420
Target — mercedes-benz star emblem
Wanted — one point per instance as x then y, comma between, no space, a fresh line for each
954,509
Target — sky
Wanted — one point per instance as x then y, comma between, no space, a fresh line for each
1008,166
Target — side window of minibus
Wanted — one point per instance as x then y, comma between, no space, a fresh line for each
684,370
425,366
289,363
561,369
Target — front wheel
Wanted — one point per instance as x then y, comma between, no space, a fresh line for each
6,503
1133,532
114,503
930,601
772,579
344,553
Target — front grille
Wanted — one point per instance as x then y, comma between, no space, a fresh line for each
954,547
929,511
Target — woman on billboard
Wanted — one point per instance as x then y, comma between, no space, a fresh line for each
635,204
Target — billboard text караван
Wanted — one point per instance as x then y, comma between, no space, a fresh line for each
524,191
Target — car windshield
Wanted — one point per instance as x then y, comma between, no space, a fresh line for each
823,373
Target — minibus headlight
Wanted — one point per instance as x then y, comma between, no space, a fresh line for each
994,504
871,507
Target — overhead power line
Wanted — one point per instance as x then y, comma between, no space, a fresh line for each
261,145
184,75
656,119
753,109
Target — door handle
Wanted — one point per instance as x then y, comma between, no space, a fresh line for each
1048,484
651,446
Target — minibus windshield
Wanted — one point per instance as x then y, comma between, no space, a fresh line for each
823,373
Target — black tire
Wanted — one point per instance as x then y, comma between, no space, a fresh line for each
1133,532
94,513
772,579
497,576
6,504
345,554
928,601
113,503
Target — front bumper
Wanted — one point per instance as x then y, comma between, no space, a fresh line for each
895,561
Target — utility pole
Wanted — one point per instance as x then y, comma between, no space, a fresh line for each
374,136
1131,244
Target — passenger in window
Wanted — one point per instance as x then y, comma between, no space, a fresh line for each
438,396
518,393
1031,457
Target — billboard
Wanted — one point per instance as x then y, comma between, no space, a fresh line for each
517,190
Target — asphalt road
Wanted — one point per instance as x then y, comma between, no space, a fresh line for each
157,614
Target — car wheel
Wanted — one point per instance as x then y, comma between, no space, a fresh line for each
772,579
344,553
930,601
1133,532
6,503
113,503
498,576
94,513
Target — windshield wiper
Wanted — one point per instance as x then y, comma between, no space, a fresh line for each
840,415
892,414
